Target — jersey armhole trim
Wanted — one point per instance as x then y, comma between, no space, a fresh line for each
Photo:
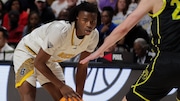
160,11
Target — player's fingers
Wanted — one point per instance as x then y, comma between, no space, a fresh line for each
75,99
83,61
71,99
73,95
101,55
78,97
64,99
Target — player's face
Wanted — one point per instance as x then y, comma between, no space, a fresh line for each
86,22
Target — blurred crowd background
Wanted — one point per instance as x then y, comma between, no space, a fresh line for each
19,17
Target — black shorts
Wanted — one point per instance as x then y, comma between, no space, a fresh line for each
160,76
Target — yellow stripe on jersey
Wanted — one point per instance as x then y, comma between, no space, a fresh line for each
145,76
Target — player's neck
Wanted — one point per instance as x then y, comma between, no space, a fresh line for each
80,37
79,34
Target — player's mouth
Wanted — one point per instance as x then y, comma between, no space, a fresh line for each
88,31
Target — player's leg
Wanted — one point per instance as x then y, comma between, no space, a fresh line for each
27,92
26,85
26,80
153,84
50,87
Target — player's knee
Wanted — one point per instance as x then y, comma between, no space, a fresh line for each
27,96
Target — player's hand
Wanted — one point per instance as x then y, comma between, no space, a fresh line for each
91,57
69,99
69,93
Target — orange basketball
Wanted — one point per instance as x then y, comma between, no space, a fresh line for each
64,99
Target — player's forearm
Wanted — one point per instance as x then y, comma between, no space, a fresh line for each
80,79
121,30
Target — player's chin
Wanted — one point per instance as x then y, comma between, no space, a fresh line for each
87,32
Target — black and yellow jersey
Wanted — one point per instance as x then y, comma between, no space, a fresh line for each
166,27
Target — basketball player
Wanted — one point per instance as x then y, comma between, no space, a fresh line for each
162,74
37,55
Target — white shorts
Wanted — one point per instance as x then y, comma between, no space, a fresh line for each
24,68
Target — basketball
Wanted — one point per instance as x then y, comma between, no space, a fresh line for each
64,99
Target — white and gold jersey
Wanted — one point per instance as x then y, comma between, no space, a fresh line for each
58,39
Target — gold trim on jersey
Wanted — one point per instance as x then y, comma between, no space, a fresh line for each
72,39
158,33
64,56
160,11
25,71
30,50
177,99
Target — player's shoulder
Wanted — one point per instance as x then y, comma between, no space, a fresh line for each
95,33
61,23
